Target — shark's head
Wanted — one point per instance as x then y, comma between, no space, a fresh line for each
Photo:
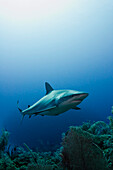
77,95
72,97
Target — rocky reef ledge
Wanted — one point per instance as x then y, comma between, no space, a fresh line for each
85,147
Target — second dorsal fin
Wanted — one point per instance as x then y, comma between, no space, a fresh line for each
48,88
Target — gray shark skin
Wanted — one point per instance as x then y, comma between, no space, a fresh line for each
55,102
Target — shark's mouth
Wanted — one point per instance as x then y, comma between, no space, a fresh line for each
76,101
80,97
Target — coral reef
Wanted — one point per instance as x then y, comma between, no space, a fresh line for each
85,147
99,128
4,139
112,110
17,158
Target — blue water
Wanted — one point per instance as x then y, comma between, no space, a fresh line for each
66,43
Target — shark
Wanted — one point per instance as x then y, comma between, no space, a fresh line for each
55,102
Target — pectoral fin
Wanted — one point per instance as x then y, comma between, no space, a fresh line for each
76,108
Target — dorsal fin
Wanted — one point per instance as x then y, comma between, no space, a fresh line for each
48,88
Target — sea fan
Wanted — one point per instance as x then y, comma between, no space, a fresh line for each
79,152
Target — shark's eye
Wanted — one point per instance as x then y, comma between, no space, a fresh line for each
72,95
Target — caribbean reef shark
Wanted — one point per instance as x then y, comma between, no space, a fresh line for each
55,102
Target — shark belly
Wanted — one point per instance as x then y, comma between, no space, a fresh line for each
61,108
56,111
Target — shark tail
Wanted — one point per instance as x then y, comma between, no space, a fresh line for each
18,106
20,111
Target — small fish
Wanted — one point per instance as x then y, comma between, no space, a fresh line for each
55,102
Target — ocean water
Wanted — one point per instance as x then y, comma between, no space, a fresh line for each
66,43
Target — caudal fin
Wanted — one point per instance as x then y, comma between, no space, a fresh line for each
18,106
20,111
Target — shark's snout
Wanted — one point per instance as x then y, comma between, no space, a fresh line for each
85,94
81,96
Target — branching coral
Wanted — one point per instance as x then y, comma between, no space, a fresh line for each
4,139
34,158
86,125
112,110
6,163
99,128
111,122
